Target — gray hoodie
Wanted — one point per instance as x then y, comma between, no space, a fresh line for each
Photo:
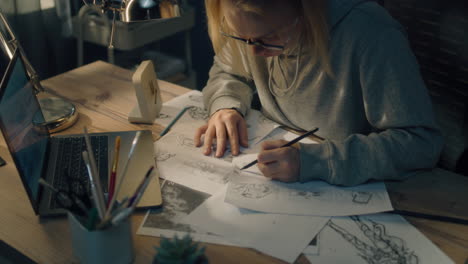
375,113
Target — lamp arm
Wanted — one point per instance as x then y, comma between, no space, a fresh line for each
10,45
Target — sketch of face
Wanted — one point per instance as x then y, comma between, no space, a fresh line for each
163,156
186,142
198,113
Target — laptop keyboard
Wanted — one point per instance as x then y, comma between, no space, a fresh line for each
71,171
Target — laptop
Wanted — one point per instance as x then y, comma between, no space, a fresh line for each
57,159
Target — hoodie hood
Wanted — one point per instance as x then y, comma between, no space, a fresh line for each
337,10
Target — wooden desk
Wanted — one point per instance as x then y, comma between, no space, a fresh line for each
104,96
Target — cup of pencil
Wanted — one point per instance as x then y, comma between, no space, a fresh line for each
112,244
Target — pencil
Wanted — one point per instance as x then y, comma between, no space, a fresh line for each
123,174
178,116
285,145
113,174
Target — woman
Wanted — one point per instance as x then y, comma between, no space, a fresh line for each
344,66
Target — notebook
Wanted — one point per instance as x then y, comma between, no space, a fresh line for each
57,159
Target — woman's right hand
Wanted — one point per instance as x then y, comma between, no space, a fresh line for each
224,125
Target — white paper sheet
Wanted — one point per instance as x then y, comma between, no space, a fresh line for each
180,161
281,236
312,198
379,238
258,126
179,201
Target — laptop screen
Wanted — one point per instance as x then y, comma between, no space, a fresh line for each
19,111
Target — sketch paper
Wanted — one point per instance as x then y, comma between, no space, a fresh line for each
281,236
313,247
192,98
379,238
193,118
312,198
258,126
180,161
179,201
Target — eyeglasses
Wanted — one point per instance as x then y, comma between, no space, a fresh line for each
257,43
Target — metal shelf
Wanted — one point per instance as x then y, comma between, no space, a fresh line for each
128,36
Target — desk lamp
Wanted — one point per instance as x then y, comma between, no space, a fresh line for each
59,114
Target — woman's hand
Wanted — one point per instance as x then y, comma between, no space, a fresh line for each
225,124
282,164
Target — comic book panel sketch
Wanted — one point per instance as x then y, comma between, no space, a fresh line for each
252,190
179,201
374,245
362,197
198,113
208,170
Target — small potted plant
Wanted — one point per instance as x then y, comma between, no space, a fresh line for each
179,251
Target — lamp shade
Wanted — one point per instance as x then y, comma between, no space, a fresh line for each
144,10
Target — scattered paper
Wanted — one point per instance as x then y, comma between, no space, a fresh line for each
379,238
180,161
281,236
313,198
179,201
258,126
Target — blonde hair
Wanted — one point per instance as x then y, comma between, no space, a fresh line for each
315,26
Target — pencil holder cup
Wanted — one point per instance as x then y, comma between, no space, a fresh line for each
111,245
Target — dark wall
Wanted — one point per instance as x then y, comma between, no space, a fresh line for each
202,50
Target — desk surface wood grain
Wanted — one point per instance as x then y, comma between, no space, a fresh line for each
104,96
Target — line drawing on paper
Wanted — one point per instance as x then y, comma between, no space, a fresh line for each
185,141
179,201
164,155
362,197
198,113
208,171
252,190
308,195
383,248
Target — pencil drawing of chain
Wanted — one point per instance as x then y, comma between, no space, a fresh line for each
386,249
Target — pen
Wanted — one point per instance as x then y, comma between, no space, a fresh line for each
123,174
97,197
285,145
113,174
141,189
178,116
100,204
121,215
119,207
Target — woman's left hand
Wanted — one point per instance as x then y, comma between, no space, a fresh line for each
279,163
